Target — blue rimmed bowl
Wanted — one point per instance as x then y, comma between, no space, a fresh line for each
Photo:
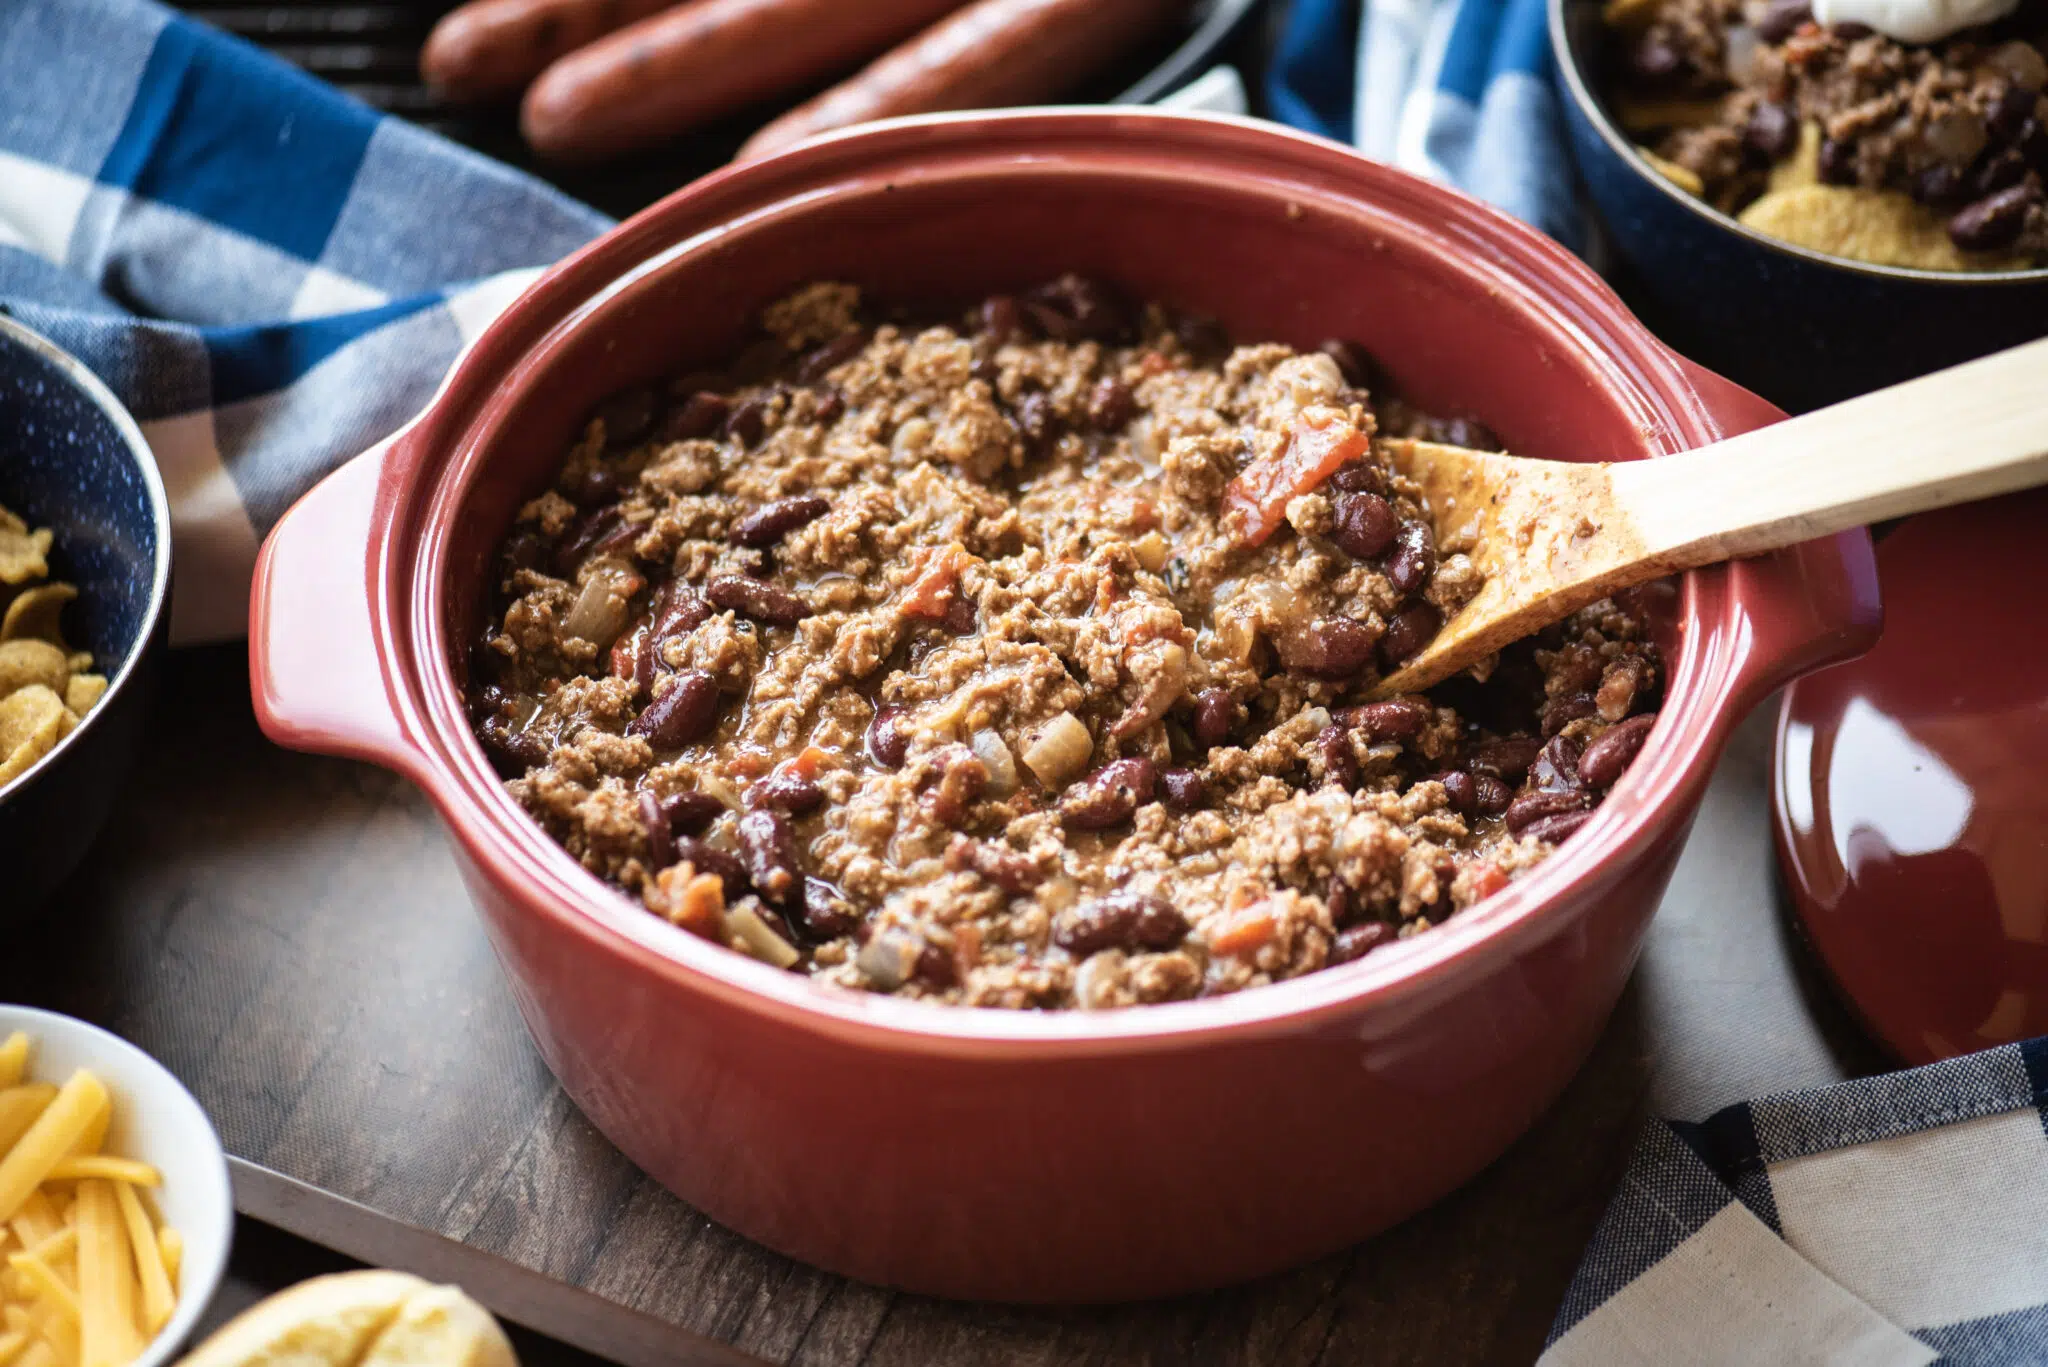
73,460
1798,327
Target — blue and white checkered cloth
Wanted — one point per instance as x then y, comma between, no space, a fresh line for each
273,278
270,275
1455,90
1896,1220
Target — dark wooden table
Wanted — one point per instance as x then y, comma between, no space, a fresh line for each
290,936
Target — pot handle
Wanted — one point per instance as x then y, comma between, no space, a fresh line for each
316,645
1804,607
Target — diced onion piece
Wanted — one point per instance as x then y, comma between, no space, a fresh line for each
995,757
887,959
599,613
744,924
1060,750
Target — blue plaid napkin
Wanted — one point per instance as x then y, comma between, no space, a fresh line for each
1900,1219
1455,90
270,275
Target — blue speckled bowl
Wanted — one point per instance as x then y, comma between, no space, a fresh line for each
1797,327
72,460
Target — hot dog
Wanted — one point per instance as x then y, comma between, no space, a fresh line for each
678,69
990,54
494,47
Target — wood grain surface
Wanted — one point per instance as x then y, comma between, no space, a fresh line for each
290,936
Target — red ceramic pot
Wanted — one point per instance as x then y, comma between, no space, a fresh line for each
1058,1156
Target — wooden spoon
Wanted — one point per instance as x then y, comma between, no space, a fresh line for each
1553,536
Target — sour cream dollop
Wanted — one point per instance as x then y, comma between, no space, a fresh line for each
1913,21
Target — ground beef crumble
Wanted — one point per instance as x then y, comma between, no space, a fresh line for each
1020,660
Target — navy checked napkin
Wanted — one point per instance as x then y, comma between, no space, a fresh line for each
270,275
274,277
1900,1219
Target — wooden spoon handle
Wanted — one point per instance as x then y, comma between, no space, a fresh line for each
1966,433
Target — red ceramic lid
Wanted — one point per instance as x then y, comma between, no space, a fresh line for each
1911,794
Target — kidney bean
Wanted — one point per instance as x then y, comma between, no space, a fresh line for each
831,403
787,791
1216,716
1365,525
768,848
1940,185
827,912
1772,132
700,415
1000,319
1411,630
770,522
1781,18
525,550
1556,769
1110,795
1074,308
1615,749
593,528
752,598
936,968
1653,61
690,812
661,841
1013,872
1462,791
1328,648
2010,112
1360,940
1849,30
1508,758
1566,708
1554,829
619,540
1205,338
1354,363
960,619
513,752
1359,477
821,359
1533,807
1340,765
1391,719
1342,904
1992,222
1413,562
1837,162
984,366
1996,172
627,416
1185,789
685,712
1467,432
889,736
706,858
1489,795
1122,920
962,777
679,611
1111,404
748,419
1035,419
598,484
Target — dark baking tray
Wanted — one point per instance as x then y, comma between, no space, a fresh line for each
371,50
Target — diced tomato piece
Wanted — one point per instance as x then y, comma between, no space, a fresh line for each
938,572
1487,879
1245,930
808,762
1256,501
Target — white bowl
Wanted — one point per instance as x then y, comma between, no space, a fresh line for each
157,1121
